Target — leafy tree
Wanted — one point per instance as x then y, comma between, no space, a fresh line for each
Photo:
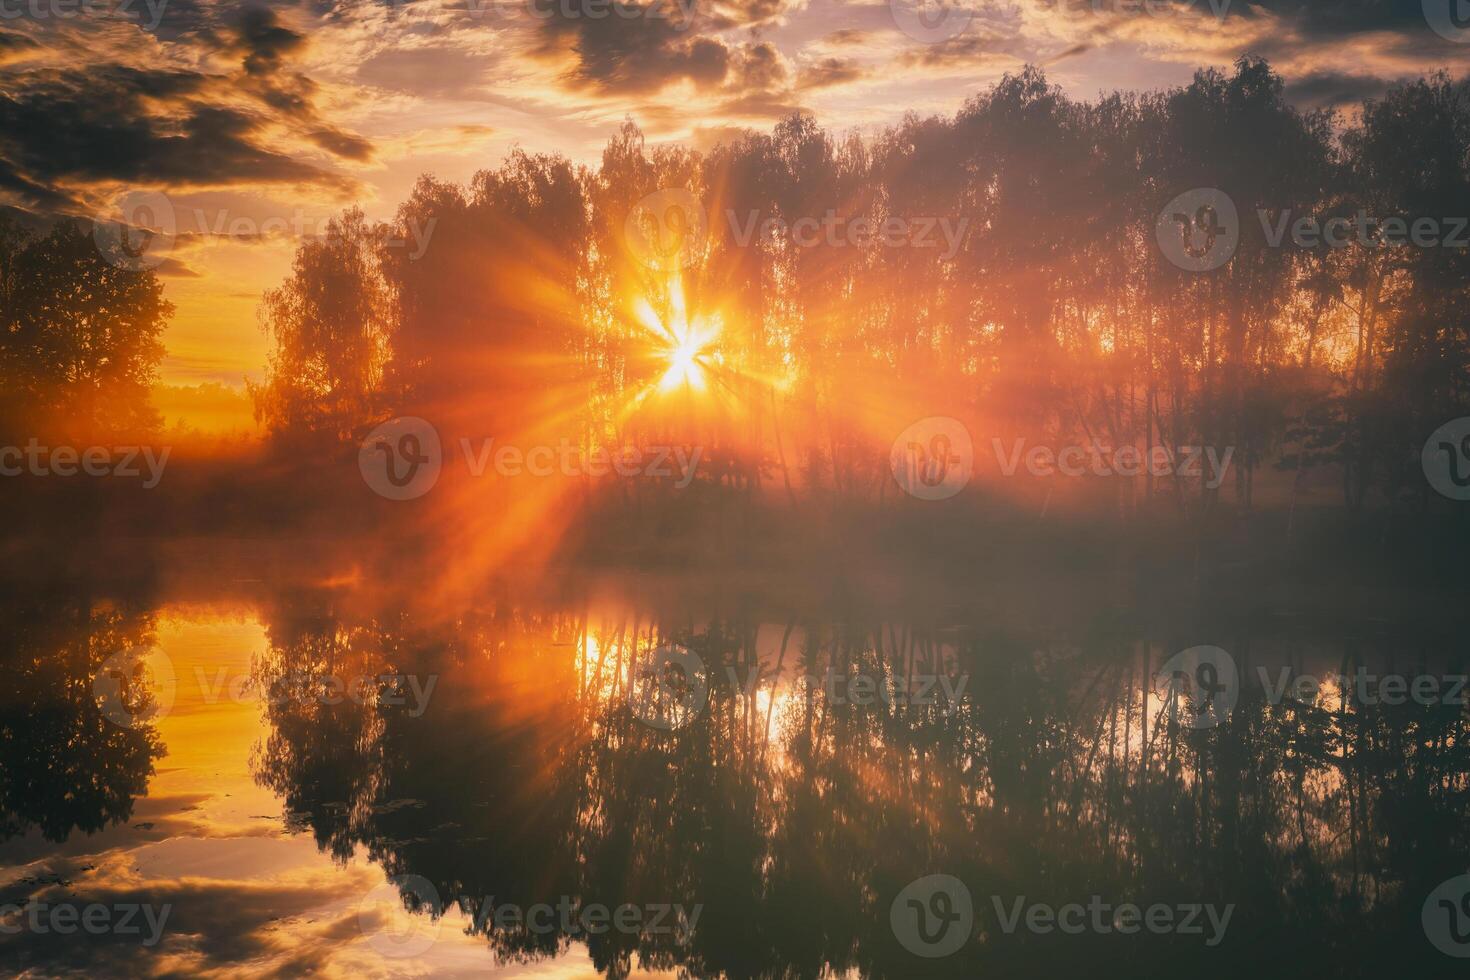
79,337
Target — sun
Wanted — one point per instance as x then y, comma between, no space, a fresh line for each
685,367
684,341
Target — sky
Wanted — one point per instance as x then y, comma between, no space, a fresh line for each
257,122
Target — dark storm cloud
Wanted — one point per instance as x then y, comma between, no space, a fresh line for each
1329,90
61,129
217,924
759,68
264,41
1324,20
11,43
639,54
341,144
111,123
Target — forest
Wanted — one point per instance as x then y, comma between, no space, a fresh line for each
1016,267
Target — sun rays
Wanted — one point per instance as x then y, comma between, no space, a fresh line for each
685,344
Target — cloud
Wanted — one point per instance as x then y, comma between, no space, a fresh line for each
14,47
1331,90
341,144
70,134
207,923
434,70
847,36
264,41
632,54
829,72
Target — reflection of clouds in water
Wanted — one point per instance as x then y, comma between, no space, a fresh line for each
258,907
499,788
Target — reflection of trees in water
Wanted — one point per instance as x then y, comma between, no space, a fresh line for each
64,764
528,778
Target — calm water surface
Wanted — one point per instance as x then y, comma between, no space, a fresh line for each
313,780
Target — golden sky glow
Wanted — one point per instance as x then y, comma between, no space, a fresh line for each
259,124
